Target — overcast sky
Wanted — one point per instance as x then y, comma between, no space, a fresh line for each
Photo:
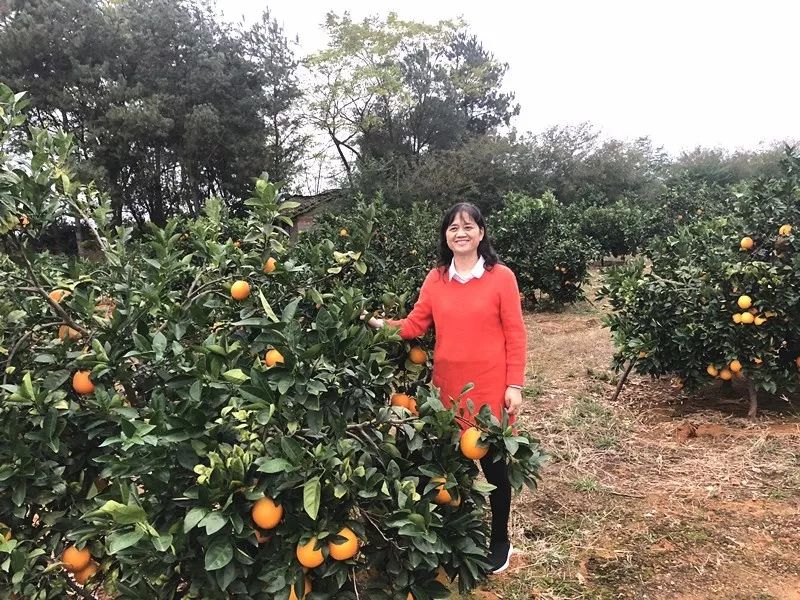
685,73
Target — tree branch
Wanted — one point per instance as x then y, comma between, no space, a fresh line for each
54,305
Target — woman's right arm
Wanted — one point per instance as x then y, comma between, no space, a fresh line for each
419,319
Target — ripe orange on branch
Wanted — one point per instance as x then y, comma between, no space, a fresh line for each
266,513
469,444
442,495
417,355
344,550
240,290
273,357
75,560
82,382
308,556
270,265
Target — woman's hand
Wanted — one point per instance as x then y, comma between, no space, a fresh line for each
372,322
513,400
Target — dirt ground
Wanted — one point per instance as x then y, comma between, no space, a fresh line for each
655,496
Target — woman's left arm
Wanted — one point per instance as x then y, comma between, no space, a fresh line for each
516,340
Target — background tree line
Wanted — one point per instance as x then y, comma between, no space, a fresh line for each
170,104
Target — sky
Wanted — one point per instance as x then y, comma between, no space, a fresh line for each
684,73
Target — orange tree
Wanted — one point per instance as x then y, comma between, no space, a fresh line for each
720,299
184,418
399,250
543,246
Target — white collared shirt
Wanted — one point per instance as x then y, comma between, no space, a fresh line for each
475,273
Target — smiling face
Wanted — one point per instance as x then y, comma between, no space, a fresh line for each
463,235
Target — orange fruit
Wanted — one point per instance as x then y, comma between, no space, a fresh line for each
735,366
410,596
75,560
308,556
469,444
442,495
405,401
744,302
58,295
417,355
82,382
785,230
273,357
344,550
65,332
306,591
712,370
747,318
797,362
266,513
725,374
759,320
737,318
270,265
240,290
746,243
84,575
343,232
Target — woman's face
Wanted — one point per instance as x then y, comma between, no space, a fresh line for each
463,235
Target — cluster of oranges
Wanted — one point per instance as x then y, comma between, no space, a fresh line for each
240,290
750,314
727,372
79,563
267,514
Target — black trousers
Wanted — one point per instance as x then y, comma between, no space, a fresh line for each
496,473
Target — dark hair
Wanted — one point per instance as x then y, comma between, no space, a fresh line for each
485,248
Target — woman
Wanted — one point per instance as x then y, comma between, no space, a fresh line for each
473,302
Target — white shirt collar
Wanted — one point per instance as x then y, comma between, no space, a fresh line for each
475,273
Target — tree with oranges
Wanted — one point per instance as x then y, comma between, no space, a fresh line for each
721,298
217,429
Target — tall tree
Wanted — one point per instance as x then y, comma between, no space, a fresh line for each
168,104
389,91
273,56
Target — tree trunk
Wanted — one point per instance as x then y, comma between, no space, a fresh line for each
753,393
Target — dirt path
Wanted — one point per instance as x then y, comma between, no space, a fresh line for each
658,496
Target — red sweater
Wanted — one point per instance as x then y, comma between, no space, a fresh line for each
480,335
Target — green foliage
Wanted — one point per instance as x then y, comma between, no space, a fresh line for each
536,239
618,229
389,91
155,471
167,105
675,316
397,254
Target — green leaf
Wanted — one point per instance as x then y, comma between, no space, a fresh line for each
124,514
218,555
162,542
193,517
267,308
312,493
213,522
117,542
236,376
275,465
159,345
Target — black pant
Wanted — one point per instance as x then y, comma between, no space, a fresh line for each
496,473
